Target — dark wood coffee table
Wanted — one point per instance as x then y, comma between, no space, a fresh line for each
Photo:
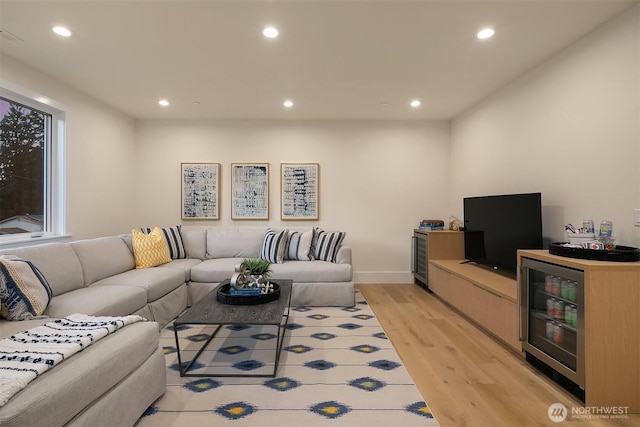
208,311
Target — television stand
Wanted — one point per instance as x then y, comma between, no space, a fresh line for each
484,296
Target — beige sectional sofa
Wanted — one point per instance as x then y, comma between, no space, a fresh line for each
113,381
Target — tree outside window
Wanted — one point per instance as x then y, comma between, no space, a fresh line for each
24,135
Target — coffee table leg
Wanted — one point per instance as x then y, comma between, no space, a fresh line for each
282,329
183,370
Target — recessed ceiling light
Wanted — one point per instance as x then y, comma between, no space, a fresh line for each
62,31
485,33
415,103
288,103
270,32
163,102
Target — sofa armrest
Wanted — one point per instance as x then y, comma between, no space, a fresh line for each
344,255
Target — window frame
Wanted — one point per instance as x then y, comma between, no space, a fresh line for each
54,171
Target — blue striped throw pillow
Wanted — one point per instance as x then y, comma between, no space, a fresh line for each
273,246
299,246
173,236
328,245
24,292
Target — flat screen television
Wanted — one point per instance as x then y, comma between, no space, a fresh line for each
495,227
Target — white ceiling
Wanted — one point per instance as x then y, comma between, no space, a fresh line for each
334,59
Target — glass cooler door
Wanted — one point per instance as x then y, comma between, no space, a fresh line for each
555,317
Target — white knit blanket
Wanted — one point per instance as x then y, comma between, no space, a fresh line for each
26,355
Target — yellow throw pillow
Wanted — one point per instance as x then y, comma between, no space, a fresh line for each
150,249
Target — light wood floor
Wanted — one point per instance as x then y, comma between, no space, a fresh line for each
465,376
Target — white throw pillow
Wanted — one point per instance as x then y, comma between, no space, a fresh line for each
299,246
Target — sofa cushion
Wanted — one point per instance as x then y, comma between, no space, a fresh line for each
102,257
311,271
214,270
58,262
299,245
72,386
234,242
99,301
24,292
173,236
150,249
273,246
195,243
156,282
328,244
183,265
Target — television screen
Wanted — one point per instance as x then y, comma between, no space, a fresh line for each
497,226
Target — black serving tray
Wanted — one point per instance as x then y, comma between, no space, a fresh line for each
619,254
224,296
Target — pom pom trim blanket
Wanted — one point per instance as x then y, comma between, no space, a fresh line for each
26,355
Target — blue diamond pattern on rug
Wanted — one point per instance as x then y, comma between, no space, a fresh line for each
331,409
320,365
318,316
234,349
355,378
294,326
323,336
198,337
169,349
263,337
201,385
248,365
236,410
350,326
282,384
363,317
298,349
367,383
420,408
365,348
387,365
238,327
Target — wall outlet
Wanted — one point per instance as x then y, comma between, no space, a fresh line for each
636,215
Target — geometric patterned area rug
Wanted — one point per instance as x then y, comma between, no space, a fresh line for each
336,368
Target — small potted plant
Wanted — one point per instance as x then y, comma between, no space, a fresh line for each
257,271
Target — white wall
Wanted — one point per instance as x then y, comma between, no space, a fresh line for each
378,179
570,128
99,153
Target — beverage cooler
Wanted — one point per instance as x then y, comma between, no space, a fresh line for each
551,304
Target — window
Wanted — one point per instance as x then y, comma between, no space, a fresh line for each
30,190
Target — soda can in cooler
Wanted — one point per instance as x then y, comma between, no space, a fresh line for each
558,334
559,312
551,307
550,330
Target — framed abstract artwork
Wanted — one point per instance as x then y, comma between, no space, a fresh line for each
200,190
249,190
299,191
